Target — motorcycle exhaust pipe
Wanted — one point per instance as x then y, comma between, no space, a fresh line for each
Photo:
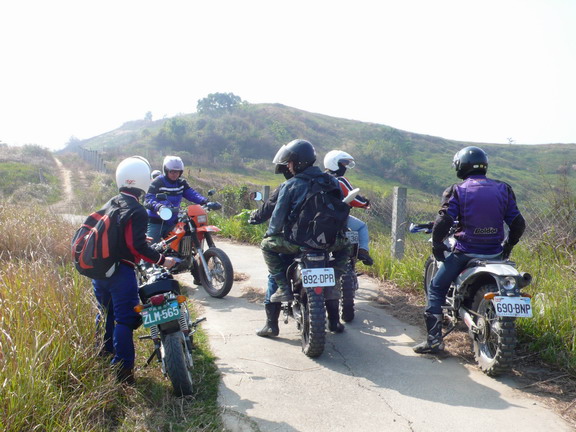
467,318
525,279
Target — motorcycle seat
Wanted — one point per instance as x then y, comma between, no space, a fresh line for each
158,287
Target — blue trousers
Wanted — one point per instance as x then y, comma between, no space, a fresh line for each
117,297
158,231
356,224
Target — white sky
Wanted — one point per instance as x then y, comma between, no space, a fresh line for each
481,71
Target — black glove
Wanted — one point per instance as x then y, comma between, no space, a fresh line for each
213,205
507,250
438,250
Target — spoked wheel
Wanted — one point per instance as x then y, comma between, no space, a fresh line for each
313,329
177,362
220,271
495,343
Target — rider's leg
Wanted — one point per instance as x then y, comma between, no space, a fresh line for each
273,248
447,273
356,224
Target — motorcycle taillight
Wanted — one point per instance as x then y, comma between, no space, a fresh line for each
157,300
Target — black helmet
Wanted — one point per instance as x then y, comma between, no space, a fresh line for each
283,169
470,160
299,151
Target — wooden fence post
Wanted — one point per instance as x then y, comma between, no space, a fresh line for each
399,222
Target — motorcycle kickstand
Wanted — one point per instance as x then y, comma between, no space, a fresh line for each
155,353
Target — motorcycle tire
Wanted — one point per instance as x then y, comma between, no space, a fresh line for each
494,346
175,360
430,269
221,273
349,286
313,328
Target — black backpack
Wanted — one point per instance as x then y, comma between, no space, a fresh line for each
316,222
95,244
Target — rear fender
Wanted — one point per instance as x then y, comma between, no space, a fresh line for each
474,277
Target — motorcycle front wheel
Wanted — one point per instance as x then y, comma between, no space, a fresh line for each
313,328
494,344
179,370
349,286
220,270
430,270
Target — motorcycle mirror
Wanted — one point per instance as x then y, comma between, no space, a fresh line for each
211,192
256,196
161,197
351,195
165,213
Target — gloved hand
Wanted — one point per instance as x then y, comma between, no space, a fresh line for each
367,205
251,219
438,250
213,205
507,250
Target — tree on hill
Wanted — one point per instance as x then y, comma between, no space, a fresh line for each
218,103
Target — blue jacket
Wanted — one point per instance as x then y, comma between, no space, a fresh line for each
292,193
174,191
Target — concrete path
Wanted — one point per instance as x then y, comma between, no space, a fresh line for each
367,379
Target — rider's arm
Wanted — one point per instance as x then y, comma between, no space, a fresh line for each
263,214
135,238
193,196
281,211
446,215
150,200
346,186
514,219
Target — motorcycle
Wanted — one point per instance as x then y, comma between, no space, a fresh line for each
313,280
210,267
165,314
487,297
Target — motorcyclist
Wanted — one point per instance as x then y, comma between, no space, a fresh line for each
155,174
118,294
481,206
336,162
299,156
175,188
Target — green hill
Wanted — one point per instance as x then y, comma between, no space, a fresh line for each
242,141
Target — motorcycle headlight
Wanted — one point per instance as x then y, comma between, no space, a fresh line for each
509,283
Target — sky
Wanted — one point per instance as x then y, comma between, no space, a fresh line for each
486,71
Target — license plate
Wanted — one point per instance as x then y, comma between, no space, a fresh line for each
318,277
155,315
519,307
352,236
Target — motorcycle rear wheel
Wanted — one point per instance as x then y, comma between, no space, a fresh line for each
430,269
221,273
313,328
494,346
177,368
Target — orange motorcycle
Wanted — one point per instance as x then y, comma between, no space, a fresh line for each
209,266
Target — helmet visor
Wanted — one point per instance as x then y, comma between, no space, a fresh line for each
348,163
281,157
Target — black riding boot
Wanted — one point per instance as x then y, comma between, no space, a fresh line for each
433,343
333,311
271,326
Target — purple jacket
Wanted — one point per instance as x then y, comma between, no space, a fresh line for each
481,206
174,191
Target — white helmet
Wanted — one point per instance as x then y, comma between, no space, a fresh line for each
333,157
133,172
155,174
172,163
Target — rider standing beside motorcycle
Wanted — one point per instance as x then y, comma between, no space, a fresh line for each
118,294
336,162
299,156
175,188
481,206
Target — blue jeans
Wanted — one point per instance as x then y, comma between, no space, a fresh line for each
356,224
158,231
117,297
